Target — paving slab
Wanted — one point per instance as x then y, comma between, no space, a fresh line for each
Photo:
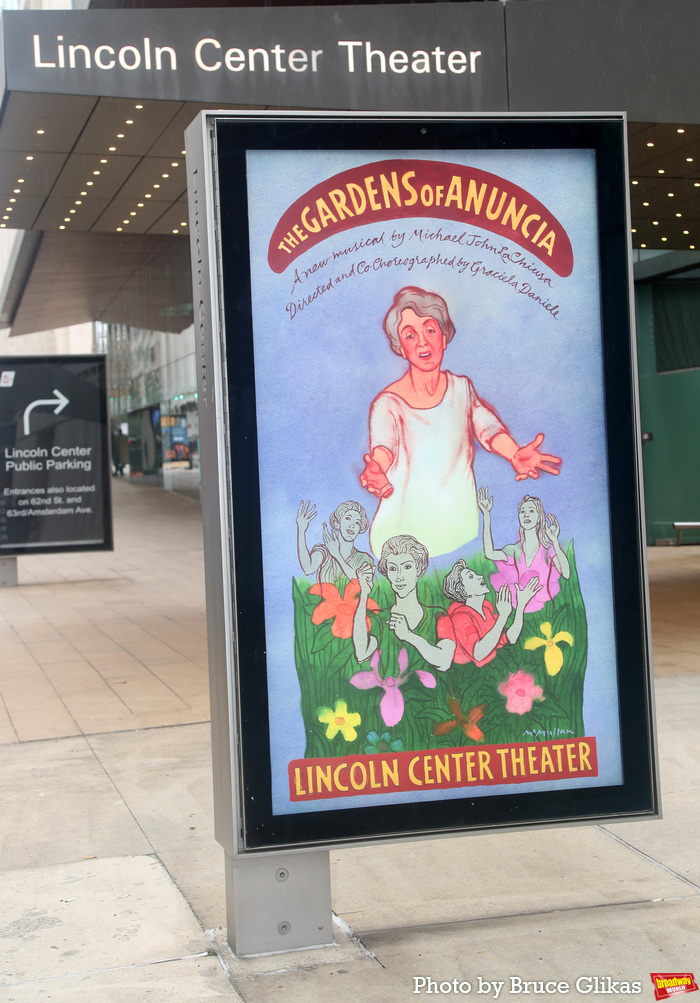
502,874
90,916
182,981
165,780
620,943
59,805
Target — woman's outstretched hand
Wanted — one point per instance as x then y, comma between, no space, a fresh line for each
528,461
374,479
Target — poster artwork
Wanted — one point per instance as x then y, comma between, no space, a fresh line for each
434,501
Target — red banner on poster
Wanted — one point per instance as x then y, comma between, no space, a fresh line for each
442,769
395,189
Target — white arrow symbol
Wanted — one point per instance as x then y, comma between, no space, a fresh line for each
57,403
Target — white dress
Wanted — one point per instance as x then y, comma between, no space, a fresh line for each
434,497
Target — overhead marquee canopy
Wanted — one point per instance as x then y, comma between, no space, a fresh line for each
96,103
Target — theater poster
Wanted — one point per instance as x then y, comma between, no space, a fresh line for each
431,397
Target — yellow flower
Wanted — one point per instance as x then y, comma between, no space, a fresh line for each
553,655
339,720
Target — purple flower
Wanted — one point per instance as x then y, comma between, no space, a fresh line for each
392,705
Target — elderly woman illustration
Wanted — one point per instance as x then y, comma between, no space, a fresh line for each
538,553
476,628
422,430
406,624
337,556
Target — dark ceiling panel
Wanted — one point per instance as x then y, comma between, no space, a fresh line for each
65,213
88,173
162,178
173,220
33,173
21,214
41,123
135,217
130,126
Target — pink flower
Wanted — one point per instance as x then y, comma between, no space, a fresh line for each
520,690
392,705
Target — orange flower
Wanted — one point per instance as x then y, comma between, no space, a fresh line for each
468,723
340,611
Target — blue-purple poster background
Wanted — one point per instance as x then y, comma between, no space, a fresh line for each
319,367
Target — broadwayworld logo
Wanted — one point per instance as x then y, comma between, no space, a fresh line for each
667,985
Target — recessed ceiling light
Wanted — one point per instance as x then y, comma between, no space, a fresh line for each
165,175
175,164
688,160
3,226
112,149
635,182
183,152
664,238
696,184
129,121
140,205
678,215
72,210
88,184
686,232
61,227
20,181
139,106
29,157
5,217
645,203
183,224
83,193
120,135
642,245
680,130
125,221
633,230
692,247
103,160
661,171
156,186
132,213
13,200
176,231
655,222
78,202
671,195
96,172
66,219
119,229
147,196
40,132
16,191
650,144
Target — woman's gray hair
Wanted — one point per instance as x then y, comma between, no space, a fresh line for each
348,506
424,304
404,544
453,586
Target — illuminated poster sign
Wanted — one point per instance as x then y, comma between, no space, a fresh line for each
54,455
434,484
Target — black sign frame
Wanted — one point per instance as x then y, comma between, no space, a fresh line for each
95,412
261,826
